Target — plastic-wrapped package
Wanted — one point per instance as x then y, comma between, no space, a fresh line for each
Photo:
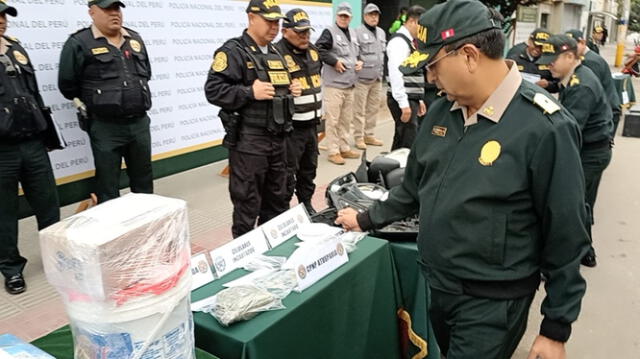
279,283
122,269
261,261
242,303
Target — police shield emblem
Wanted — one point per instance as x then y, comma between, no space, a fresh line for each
20,57
135,45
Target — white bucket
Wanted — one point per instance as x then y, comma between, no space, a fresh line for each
151,327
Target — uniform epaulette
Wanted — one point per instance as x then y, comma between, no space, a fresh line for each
131,31
14,39
80,30
541,100
574,80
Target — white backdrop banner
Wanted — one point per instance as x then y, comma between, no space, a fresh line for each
181,37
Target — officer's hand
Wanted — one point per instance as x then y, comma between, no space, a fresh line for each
423,109
406,114
263,90
545,348
295,88
543,83
347,218
359,65
339,66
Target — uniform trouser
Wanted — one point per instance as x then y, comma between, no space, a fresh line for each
594,162
338,113
405,132
113,141
258,181
302,162
27,163
366,106
471,328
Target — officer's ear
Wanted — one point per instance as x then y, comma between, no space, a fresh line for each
472,56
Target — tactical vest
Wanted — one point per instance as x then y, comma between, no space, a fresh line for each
272,115
306,68
114,81
414,83
372,50
20,107
347,52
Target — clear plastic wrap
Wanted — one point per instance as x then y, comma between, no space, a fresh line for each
242,303
261,261
122,269
279,283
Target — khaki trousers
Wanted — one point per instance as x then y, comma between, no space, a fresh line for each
338,113
366,107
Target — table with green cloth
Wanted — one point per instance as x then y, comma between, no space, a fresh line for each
623,82
59,344
351,313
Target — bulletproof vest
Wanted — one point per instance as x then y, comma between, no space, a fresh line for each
273,115
20,107
114,81
347,52
414,83
305,67
372,49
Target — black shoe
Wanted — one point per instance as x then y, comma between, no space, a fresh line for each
15,284
589,260
309,207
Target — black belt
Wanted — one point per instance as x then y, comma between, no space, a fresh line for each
119,119
503,289
597,145
259,131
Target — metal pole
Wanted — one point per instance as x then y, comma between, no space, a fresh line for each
622,32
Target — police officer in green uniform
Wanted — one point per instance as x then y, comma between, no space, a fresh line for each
596,38
527,56
495,177
600,68
250,82
582,94
303,61
106,67
23,153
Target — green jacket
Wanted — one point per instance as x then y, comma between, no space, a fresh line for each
585,98
600,68
502,220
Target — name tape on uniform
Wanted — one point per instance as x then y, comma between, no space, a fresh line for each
201,272
314,263
285,225
237,252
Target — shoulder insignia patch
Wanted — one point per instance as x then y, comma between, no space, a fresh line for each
14,39
20,57
545,103
135,45
314,54
574,80
520,68
219,62
250,65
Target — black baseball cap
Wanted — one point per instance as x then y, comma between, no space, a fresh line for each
268,9
447,23
556,45
297,19
105,3
9,10
539,36
575,34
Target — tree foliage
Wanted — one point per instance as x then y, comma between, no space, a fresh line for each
508,7
634,16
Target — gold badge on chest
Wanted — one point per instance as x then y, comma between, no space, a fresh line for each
20,57
99,50
135,45
439,131
279,77
314,55
291,64
275,64
489,153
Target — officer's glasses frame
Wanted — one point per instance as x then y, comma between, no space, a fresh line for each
430,66
304,33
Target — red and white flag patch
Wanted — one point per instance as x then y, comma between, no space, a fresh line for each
447,34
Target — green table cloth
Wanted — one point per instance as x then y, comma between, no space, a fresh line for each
412,297
349,314
623,83
59,343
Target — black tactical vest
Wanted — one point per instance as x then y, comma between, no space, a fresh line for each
114,81
20,104
271,115
414,83
305,67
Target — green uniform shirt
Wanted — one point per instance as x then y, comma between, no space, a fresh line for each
500,198
582,94
601,69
